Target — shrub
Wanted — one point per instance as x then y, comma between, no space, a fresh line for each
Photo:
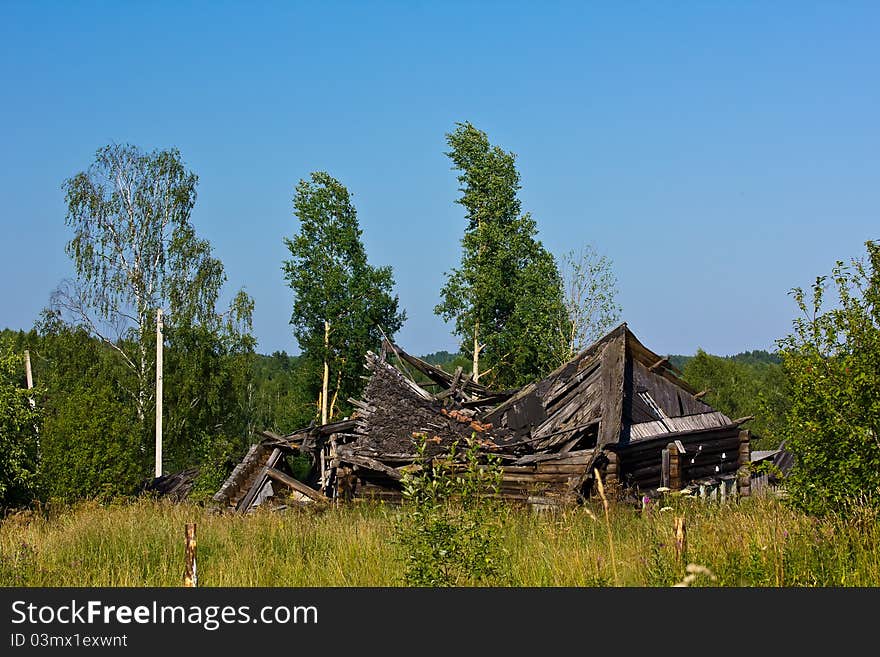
833,361
447,526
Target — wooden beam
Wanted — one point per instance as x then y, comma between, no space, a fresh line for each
296,485
612,368
658,364
370,464
259,482
744,480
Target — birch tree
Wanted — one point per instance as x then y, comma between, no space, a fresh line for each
342,304
505,297
590,297
134,250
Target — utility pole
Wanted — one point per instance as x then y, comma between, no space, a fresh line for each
29,374
159,341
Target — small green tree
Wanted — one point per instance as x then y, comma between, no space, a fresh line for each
341,303
19,422
447,525
506,296
832,358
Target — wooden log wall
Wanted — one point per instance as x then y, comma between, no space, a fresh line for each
707,454
744,478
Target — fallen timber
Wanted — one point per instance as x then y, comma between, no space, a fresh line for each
616,408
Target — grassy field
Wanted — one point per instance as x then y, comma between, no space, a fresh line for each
756,542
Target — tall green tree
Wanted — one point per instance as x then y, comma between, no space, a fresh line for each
506,296
342,304
832,358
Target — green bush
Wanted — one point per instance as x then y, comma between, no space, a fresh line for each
833,362
447,528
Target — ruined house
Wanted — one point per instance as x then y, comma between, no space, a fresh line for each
617,408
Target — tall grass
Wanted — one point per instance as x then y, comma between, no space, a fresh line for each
756,542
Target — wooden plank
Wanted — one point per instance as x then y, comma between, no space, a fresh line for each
557,478
659,363
371,464
554,468
578,457
259,482
612,371
296,485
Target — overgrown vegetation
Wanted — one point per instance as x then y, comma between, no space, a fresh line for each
832,358
758,542
447,527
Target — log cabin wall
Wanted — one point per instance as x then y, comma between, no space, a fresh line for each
711,453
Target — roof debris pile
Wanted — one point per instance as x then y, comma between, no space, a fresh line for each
616,407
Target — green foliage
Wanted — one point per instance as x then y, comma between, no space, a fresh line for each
832,358
336,288
506,297
447,526
440,358
91,441
741,387
19,440
753,357
134,251
282,392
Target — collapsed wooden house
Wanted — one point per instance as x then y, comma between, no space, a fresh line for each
616,408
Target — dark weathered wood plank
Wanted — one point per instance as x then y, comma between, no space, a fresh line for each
612,370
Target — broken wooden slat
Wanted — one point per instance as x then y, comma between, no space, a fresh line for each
658,364
259,482
296,485
371,464
613,358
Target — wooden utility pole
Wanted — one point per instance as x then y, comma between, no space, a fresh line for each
326,377
30,375
159,341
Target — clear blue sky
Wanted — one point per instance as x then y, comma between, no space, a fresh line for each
718,153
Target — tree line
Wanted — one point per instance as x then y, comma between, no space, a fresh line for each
134,251
516,310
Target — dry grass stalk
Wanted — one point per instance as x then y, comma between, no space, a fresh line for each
607,525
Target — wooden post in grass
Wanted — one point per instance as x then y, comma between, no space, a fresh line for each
664,468
190,575
674,467
612,470
744,475
680,531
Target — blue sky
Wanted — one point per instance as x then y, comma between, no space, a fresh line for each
719,153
